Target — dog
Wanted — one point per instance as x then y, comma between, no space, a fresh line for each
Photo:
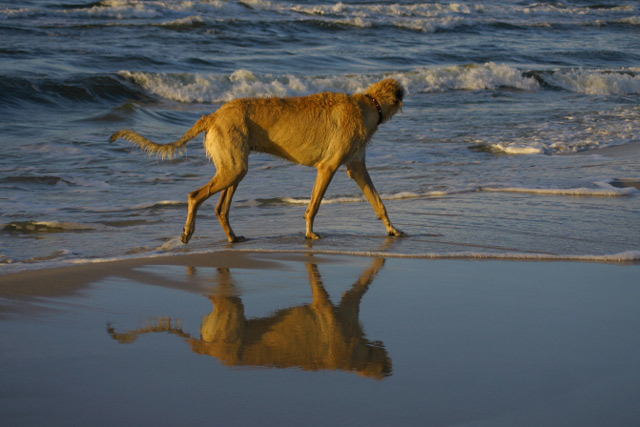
324,130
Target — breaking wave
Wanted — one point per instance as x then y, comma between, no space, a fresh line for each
572,133
190,87
197,87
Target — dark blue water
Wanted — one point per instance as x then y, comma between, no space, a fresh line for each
519,133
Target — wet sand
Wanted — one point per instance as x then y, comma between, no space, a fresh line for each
291,339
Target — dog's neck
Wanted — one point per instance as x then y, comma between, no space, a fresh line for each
378,107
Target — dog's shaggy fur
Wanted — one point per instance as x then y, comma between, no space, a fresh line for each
324,130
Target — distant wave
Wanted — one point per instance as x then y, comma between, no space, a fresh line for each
36,179
415,16
185,23
15,91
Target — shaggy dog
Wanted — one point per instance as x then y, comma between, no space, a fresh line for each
325,130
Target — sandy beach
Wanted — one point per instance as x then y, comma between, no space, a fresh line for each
237,338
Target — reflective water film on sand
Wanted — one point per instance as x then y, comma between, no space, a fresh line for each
314,336
292,339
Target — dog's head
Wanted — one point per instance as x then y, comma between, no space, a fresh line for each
389,94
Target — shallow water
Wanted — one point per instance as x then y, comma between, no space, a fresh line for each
501,96
318,340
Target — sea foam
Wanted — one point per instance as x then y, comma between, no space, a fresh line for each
596,82
198,87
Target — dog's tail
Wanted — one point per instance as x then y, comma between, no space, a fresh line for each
164,150
161,324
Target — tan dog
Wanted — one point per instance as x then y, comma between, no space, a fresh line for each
324,130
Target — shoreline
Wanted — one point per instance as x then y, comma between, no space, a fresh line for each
233,256
67,279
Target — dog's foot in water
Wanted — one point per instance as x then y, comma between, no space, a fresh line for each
396,233
312,236
186,236
237,239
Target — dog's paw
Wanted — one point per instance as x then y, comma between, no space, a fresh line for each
237,239
186,236
313,236
396,233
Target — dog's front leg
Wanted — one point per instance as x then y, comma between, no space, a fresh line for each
325,174
358,172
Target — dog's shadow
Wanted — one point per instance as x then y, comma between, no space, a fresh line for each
312,337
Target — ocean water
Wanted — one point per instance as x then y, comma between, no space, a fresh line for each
519,136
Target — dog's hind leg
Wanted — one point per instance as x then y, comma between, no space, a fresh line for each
325,174
230,154
222,211
357,170
198,197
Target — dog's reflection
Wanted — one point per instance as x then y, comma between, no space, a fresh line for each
312,337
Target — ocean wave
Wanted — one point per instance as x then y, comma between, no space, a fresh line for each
573,192
195,87
210,88
627,257
189,22
55,255
630,20
81,88
201,88
54,259
356,199
456,16
29,227
595,82
574,133
615,188
36,180
416,16
489,76
162,204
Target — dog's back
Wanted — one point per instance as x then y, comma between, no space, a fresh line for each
304,130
